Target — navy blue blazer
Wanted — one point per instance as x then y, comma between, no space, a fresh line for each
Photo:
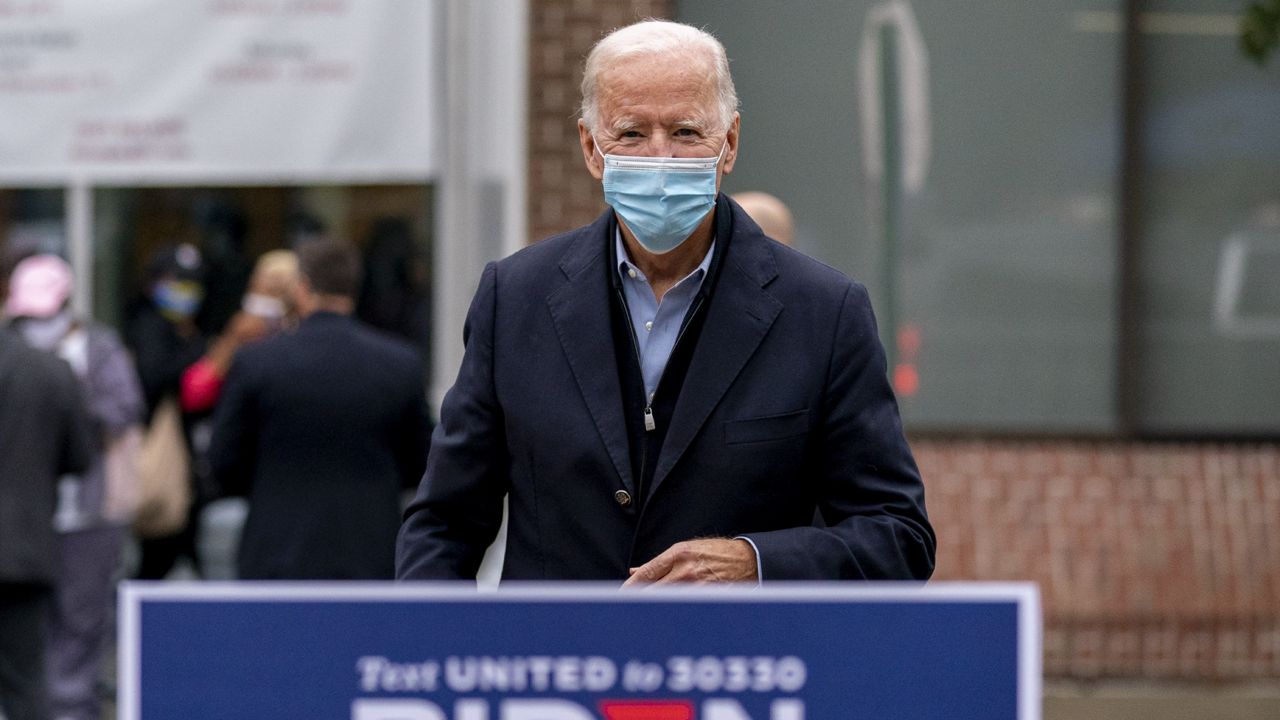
321,429
785,410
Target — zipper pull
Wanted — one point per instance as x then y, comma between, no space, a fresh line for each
649,424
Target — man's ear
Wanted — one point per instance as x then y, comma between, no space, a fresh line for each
593,159
731,140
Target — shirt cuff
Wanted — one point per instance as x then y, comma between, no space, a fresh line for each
756,550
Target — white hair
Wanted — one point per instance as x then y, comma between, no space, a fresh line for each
658,37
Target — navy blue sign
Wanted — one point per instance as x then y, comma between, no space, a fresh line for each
404,652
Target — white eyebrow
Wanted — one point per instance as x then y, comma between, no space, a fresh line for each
700,124
623,125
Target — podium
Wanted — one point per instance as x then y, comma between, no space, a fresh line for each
375,651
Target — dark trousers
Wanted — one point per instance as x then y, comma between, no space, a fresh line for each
24,616
82,619
160,555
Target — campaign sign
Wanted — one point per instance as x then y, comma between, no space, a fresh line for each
276,651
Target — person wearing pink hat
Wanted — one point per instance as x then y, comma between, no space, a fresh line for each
92,518
39,288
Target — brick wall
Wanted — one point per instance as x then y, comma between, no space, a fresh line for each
562,194
1154,560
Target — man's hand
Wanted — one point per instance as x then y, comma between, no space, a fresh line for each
712,560
244,328
241,330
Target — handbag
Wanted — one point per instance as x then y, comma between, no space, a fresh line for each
164,475
121,495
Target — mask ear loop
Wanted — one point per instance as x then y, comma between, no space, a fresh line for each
595,146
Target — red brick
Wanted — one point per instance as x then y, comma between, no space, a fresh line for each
562,195
1154,560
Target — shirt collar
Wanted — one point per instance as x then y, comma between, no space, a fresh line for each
625,266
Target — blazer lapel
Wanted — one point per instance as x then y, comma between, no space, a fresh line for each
739,314
580,311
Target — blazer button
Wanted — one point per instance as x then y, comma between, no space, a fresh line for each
622,497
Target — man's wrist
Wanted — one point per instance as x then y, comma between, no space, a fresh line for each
755,551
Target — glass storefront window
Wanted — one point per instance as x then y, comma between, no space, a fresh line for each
31,221
1209,230
232,226
989,243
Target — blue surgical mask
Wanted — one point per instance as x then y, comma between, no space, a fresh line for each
177,300
45,333
661,199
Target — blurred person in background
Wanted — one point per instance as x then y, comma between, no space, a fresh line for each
303,227
266,309
393,296
162,334
321,429
770,213
94,512
224,234
44,433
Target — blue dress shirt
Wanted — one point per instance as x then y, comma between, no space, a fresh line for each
656,325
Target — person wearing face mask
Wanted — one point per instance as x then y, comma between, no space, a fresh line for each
162,334
266,309
93,514
321,429
667,395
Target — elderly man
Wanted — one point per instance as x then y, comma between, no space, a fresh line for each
666,395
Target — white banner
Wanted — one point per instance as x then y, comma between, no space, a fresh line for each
216,91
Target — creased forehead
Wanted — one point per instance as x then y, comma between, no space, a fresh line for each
665,40
677,77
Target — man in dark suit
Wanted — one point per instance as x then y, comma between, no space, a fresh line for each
44,433
667,395
322,428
